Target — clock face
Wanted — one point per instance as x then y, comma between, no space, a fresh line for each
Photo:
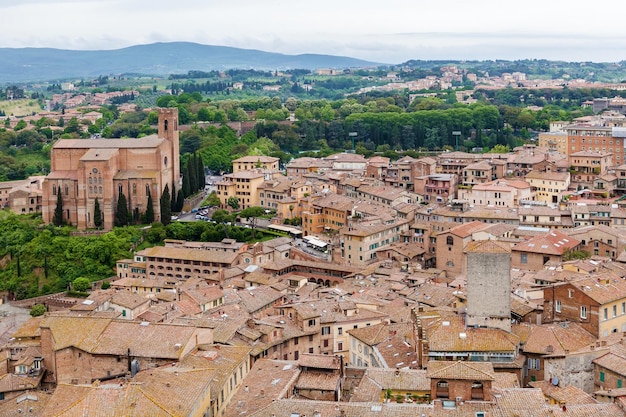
95,170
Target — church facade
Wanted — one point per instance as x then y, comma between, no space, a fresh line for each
84,170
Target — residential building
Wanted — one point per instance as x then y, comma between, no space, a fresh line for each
586,137
437,188
498,193
360,242
532,254
548,186
554,141
596,301
451,245
554,341
81,350
253,162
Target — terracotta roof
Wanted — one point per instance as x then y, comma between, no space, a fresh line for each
467,229
272,379
556,339
552,243
399,379
322,381
157,392
151,141
190,254
476,371
487,246
308,360
450,334
615,360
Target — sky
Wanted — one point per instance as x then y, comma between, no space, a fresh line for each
383,31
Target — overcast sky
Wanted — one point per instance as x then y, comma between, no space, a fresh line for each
387,31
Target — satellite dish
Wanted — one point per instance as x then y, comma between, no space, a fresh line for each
555,381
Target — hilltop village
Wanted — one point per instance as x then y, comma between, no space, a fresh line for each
458,284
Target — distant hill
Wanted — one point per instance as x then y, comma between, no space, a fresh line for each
45,64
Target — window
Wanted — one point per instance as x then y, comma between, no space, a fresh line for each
449,240
340,346
310,350
557,306
340,329
601,376
524,258
606,313
311,322
583,312
570,293
326,330
325,342
615,311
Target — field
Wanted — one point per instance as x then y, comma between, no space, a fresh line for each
18,108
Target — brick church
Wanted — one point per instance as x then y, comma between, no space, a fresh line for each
84,170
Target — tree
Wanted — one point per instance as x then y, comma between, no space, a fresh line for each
57,218
121,214
213,199
222,216
81,284
149,209
408,137
97,214
180,201
233,202
252,214
38,310
166,206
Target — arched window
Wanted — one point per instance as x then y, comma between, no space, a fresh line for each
90,180
147,189
90,189
449,240
134,189
67,190
54,190
165,123
165,161
443,391
99,180
100,190
119,189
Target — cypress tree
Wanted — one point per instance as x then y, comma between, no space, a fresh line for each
97,214
173,204
180,200
150,209
199,172
191,171
166,206
57,219
121,215
186,185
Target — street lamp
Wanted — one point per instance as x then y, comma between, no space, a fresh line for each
353,135
456,134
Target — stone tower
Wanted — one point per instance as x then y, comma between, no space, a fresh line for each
168,130
489,284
